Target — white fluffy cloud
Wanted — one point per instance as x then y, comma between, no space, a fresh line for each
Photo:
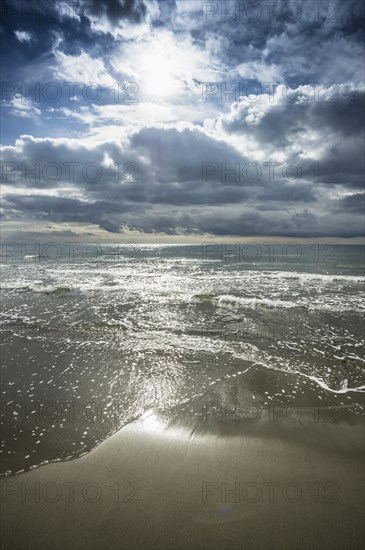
82,69
23,36
22,107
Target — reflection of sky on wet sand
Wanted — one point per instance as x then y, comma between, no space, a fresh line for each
154,425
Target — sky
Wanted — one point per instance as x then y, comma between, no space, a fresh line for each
181,120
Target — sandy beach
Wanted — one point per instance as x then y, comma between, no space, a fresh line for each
188,479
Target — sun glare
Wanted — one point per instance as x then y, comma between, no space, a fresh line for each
158,71
151,423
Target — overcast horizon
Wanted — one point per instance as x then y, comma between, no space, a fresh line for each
183,121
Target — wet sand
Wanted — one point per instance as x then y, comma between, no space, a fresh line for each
173,480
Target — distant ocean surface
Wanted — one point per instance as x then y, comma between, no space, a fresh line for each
116,330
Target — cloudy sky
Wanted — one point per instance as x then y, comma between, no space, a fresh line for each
182,119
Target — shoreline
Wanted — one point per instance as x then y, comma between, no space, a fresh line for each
206,485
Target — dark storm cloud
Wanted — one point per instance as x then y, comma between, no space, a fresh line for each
167,12
240,220
70,21
354,204
343,115
247,222
30,235
27,61
178,155
293,127
56,209
114,10
168,164
170,175
303,41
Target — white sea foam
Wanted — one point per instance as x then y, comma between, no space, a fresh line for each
346,305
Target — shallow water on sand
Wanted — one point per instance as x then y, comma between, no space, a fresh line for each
94,340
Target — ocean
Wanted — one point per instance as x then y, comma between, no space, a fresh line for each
95,336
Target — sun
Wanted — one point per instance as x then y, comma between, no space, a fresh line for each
163,67
158,71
